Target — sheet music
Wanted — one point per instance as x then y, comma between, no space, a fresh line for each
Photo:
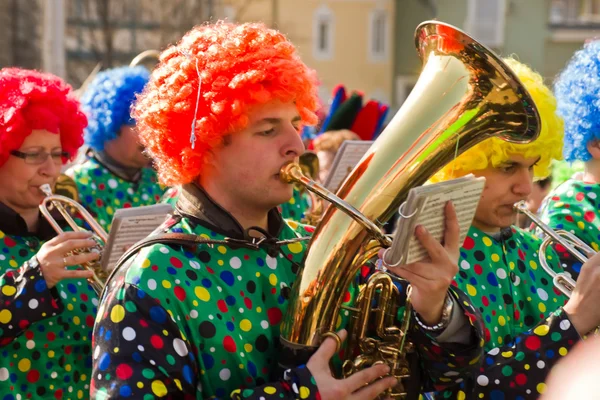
129,226
349,154
427,204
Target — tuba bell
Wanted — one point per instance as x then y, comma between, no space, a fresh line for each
59,203
464,95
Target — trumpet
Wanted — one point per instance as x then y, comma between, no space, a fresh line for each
99,276
562,281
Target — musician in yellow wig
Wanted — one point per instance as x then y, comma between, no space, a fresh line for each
527,329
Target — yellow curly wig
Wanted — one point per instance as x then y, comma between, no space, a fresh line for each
548,145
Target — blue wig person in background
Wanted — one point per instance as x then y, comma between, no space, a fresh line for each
115,172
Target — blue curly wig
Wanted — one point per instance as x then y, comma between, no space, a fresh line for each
107,102
577,91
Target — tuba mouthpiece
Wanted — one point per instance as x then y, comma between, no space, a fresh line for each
46,189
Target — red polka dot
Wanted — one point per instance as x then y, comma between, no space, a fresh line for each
50,336
143,323
469,243
579,196
58,394
33,376
309,229
229,344
68,349
532,343
29,335
246,257
157,342
99,202
555,198
179,293
560,248
589,216
521,255
346,297
478,270
521,379
124,372
274,314
84,297
222,306
569,218
89,321
517,315
176,262
242,293
485,301
486,334
248,303
23,324
9,242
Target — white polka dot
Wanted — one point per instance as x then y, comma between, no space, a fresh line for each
241,310
33,304
271,262
55,374
482,380
591,195
264,324
2,257
543,294
130,191
212,349
112,183
211,317
500,273
96,352
494,351
30,344
129,334
565,324
464,264
239,278
145,197
235,263
151,284
540,364
95,302
164,250
194,314
195,264
140,347
180,347
63,295
224,374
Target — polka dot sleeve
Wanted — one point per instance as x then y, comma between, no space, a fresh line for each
140,353
25,299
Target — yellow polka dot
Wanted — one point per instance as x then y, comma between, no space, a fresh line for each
195,303
292,201
580,225
178,383
83,377
222,249
146,263
241,366
500,340
5,316
338,323
461,395
292,224
83,180
245,325
562,351
541,388
304,392
542,307
248,348
117,202
533,264
80,394
1,235
257,274
258,309
116,350
487,241
68,367
159,388
501,320
205,236
51,354
511,265
559,204
166,284
76,320
273,279
220,262
527,366
202,293
70,307
24,365
595,246
541,330
507,354
295,247
9,290
270,390
140,385
13,263
471,290
117,313
109,210
495,257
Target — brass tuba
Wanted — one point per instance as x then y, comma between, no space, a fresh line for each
59,202
465,94
569,241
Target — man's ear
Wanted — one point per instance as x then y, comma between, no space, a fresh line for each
593,147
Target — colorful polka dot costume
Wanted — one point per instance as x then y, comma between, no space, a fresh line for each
203,322
526,331
45,334
102,192
574,207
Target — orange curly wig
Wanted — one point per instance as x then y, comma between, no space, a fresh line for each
240,66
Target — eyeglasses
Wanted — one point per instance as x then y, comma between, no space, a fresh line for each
39,158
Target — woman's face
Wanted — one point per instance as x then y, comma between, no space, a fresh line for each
22,177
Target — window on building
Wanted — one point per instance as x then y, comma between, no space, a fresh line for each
574,12
323,30
485,21
378,27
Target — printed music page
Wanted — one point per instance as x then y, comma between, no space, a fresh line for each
349,154
129,226
425,206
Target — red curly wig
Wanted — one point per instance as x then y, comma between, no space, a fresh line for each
241,66
32,100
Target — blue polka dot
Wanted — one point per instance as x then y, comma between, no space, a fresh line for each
493,297
473,281
208,361
40,286
497,395
227,277
119,195
136,280
72,288
125,391
577,267
158,314
230,326
97,172
550,353
171,271
18,304
137,357
141,294
104,361
108,335
8,397
252,368
206,283
230,300
187,374
89,199
260,262
491,278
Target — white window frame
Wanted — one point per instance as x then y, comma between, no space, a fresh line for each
382,54
472,26
323,14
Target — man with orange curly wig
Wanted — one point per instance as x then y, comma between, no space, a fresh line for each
200,318
46,306
527,329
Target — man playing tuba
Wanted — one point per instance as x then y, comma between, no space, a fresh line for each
527,329
181,321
